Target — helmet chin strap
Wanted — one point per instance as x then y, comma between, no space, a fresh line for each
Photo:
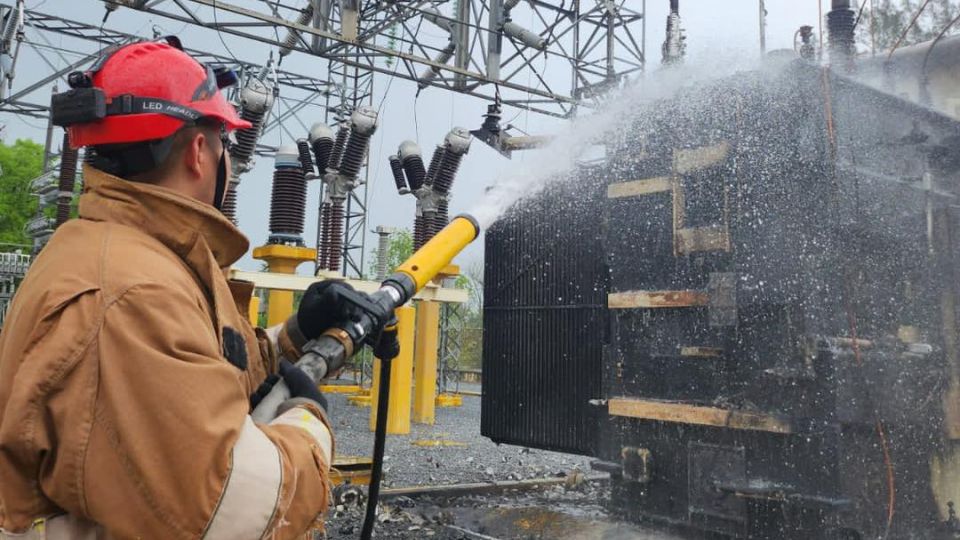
221,181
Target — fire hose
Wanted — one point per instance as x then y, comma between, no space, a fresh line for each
328,353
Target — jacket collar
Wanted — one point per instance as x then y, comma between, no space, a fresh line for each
178,221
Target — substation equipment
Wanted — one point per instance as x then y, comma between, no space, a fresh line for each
495,50
747,312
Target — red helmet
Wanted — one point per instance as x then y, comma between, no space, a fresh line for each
151,90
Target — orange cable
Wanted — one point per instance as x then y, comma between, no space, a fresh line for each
913,21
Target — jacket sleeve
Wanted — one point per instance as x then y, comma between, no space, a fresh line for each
172,452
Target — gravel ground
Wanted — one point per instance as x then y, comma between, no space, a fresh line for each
571,511
470,458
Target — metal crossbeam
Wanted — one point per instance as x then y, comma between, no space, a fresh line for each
608,22
594,43
307,86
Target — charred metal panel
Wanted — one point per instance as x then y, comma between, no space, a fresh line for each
780,245
545,321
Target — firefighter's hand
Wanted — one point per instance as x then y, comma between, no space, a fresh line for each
322,307
299,383
387,348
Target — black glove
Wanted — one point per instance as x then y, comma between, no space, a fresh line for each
387,347
322,307
299,383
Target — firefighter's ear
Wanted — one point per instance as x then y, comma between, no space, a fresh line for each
195,156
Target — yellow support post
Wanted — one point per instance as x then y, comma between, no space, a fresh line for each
401,373
282,259
253,310
425,362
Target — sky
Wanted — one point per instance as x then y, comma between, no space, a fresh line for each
715,30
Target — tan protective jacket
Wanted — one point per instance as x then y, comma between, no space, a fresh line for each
125,371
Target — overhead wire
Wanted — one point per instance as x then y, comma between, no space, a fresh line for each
903,35
386,92
216,24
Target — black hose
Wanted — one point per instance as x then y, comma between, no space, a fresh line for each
379,441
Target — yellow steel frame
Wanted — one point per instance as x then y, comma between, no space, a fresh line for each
401,373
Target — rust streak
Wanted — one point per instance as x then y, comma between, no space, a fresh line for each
656,299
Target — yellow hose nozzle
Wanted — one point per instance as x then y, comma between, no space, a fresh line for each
436,254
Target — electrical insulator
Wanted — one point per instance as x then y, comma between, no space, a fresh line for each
303,19
518,33
455,146
841,36
431,73
323,251
363,122
289,198
433,15
434,165
397,169
674,44
303,147
335,245
256,99
68,175
412,161
321,140
336,153
13,24
419,230
12,29
229,206
509,4
440,217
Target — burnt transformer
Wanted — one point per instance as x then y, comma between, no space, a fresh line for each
747,313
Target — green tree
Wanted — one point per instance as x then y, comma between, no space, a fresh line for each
891,17
21,162
472,351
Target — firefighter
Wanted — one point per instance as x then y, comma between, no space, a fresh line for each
127,366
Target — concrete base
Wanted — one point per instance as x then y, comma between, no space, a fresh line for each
340,389
449,400
360,400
